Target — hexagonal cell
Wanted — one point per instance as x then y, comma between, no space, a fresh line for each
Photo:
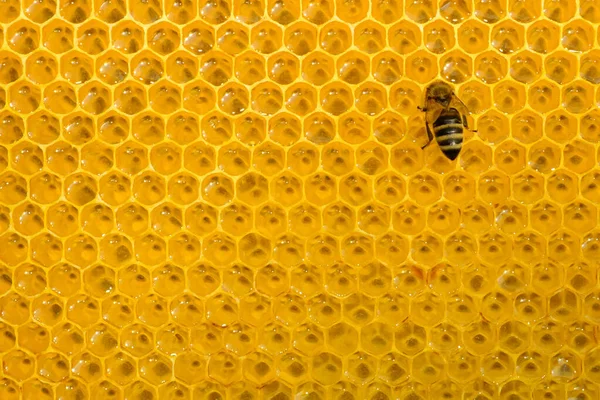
561,67
335,37
575,96
300,38
130,97
19,365
189,367
93,37
509,97
224,368
112,67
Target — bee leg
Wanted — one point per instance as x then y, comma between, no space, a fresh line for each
466,124
429,137
465,121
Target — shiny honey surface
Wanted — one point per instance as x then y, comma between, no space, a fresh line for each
227,199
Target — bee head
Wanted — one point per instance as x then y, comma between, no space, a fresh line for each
440,92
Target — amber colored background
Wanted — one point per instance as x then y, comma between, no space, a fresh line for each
228,200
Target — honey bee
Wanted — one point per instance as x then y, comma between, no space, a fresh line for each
446,116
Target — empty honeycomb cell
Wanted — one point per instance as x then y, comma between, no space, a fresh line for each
163,38
543,36
369,37
23,37
76,67
112,67
525,67
216,67
12,67
456,67
266,38
318,68
300,38
93,37
420,12
421,67
562,68
147,67
249,67
57,37
439,37
150,249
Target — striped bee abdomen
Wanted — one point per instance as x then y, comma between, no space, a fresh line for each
448,130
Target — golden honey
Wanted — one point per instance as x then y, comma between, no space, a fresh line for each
228,199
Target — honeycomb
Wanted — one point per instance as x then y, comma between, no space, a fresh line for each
217,199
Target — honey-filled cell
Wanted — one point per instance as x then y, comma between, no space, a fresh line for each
256,199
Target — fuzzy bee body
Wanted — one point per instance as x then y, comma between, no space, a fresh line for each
446,118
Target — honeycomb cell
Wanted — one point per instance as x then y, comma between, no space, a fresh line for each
43,128
490,67
300,99
216,67
198,38
266,99
369,37
543,36
93,37
12,67
300,38
456,67
76,67
320,189
589,69
561,186
12,128
23,37
577,36
163,38
525,67
370,99
120,368
576,96
112,68
420,12
266,37
24,97
543,96
57,37
455,11
251,130
409,279
232,38
19,365
421,67
561,67
127,37
559,125
150,249
476,97
41,67
439,36
250,68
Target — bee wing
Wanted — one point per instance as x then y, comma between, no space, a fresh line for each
434,109
461,108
